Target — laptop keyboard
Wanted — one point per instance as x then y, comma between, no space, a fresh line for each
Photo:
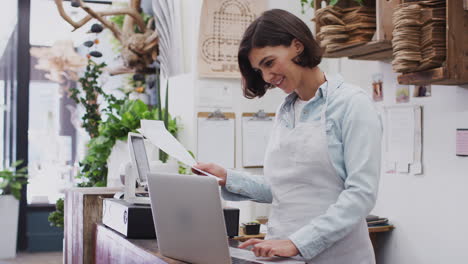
242,256
242,261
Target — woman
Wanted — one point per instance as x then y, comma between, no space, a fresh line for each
322,164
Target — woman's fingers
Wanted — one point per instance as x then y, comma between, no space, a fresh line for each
270,248
271,253
213,169
196,172
263,250
250,242
201,166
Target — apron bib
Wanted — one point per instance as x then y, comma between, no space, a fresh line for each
304,184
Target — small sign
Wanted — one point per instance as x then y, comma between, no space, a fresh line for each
462,142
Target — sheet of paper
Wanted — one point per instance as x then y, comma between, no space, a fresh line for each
462,142
400,134
156,133
402,167
255,136
416,167
390,167
216,141
207,174
215,95
249,255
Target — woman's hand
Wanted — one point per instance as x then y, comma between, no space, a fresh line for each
270,248
214,169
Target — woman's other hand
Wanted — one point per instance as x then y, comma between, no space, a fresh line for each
213,169
271,248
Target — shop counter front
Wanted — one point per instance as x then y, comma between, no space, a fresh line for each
114,248
87,241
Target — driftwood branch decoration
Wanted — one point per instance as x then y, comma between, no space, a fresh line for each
139,50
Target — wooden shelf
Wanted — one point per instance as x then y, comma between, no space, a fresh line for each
455,69
380,47
373,50
372,229
378,229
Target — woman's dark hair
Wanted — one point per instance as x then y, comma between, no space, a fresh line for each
274,27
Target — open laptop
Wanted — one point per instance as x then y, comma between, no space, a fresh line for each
189,221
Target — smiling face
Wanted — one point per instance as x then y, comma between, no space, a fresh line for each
275,64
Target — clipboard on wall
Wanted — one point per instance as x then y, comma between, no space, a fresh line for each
256,129
216,138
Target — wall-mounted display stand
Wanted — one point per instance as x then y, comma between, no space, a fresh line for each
380,46
454,70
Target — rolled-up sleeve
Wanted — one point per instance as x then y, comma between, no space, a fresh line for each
361,137
241,186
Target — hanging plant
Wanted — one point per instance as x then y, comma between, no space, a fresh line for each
91,90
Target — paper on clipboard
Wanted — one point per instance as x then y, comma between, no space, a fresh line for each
216,139
255,137
155,131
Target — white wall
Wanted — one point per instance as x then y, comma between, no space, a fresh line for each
186,90
428,210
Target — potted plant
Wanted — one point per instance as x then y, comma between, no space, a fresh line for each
137,91
11,183
310,3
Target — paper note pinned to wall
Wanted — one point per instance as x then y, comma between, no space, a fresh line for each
400,134
403,130
462,142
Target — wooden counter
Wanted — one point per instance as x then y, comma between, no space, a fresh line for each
83,213
83,209
113,248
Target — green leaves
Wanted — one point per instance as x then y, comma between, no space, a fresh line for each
310,3
360,2
89,84
56,218
115,127
306,3
123,116
12,179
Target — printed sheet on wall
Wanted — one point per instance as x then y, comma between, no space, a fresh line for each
216,139
222,25
403,143
255,135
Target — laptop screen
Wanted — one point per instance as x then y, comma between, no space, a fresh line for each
141,158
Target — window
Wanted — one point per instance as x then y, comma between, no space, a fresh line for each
53,138
8,62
